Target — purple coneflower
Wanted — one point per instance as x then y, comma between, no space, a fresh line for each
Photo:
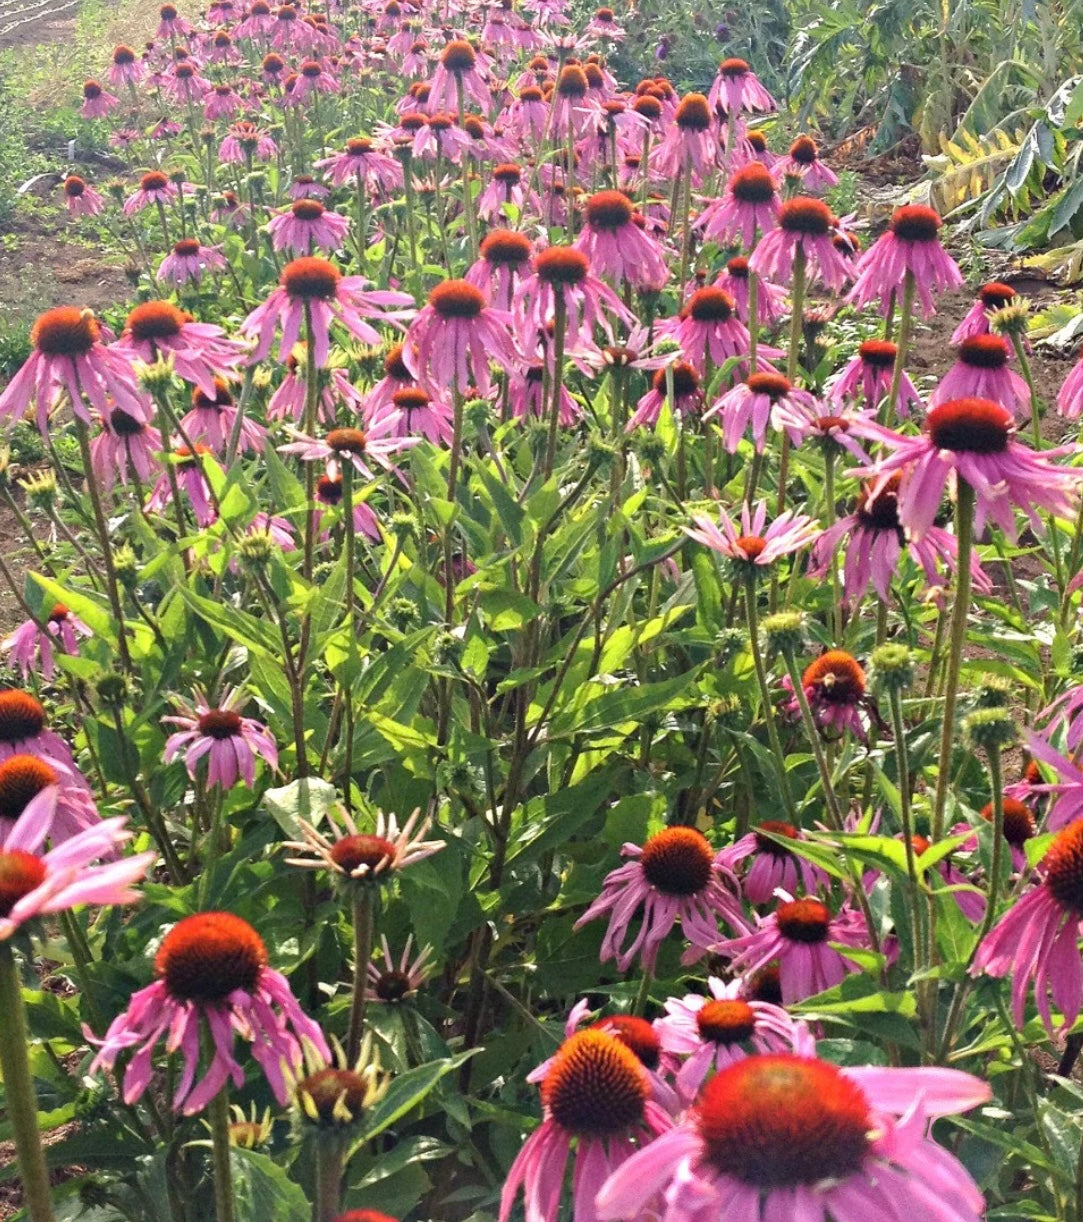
213,983
221,102
708,329
689,143
875,540
457,79
126,68
615,245
24,777
392,983
34,884
770,298
80,198
231,743
315,288
834,686
686,399
773,865
198,351
752,544
786,1136
804,224
361,162
455,336
803,162
801,935
244,142
974,438
761,399
124,447
563,271
503,258
69,356
595,1093
211,419
154,188
364,449
32,648
307,226
868,375
981,371
748,207
188,260
910,245
23,730
363,858
97,102
1037,939
709,1033
674,875
991,297
736,90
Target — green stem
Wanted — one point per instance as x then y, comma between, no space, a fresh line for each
20,1097
906,314
351,602
111,583
363,911
964,531
639,1008
218,1110
560,326
765,695
330,1164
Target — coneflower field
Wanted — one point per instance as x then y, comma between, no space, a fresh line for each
522,699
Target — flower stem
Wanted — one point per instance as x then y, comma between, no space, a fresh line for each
112,586
797,296
765,695
560,326
906,314
351,635
964,532
330,1165
363,911
918,926
20,1097
218,1111
644,995
753,321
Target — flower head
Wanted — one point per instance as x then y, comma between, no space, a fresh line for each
974,439
313,289
674,875
213,981
911,246
363,857
595,1093
786,1135
454,337
799,934
751,546
69,357
231,743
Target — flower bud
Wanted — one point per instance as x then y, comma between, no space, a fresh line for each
892,668
990,728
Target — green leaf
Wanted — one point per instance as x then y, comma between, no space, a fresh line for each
308,798
403,1095
262,1189
237,625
